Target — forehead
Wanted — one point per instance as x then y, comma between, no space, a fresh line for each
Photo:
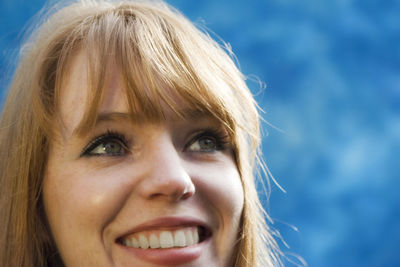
75,91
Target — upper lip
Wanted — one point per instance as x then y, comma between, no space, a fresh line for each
165,223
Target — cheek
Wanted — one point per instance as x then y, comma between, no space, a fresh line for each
72,195
220,185
80,195
229,197
78,205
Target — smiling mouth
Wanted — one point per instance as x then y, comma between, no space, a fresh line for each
166,238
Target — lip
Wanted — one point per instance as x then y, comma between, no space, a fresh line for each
170,256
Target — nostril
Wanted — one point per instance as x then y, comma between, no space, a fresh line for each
189,191
182,195
187,195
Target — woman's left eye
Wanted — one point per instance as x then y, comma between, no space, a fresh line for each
209,141
204,144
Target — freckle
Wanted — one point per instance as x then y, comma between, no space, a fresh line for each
97,200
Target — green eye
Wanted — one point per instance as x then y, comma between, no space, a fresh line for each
204,144
109,148
109,144
209,140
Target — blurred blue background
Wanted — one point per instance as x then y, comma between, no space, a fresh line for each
332,75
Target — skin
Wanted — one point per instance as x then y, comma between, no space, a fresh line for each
163,171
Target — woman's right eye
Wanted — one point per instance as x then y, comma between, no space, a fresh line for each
107,145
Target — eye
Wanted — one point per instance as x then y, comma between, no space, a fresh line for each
204,144
209,141
109,147
110,144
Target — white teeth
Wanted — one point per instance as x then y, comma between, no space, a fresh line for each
189,238
154,242
166,239
179,239
135,243
196,237
143,243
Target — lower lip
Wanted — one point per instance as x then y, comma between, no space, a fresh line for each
169,256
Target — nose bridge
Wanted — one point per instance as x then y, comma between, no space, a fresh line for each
166,175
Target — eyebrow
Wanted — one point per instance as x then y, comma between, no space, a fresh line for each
112,116
104,117
193,114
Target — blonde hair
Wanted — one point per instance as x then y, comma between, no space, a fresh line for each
156,48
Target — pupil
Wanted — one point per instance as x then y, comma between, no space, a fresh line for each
112,148
207,144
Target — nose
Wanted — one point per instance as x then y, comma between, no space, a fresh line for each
166,176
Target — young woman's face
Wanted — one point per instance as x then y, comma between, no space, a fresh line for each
140,193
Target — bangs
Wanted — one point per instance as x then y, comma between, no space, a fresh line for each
161,63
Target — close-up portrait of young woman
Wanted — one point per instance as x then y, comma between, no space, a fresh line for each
128,137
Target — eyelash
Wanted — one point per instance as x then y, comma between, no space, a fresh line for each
221,138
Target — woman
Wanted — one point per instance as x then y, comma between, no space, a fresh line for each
129,138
